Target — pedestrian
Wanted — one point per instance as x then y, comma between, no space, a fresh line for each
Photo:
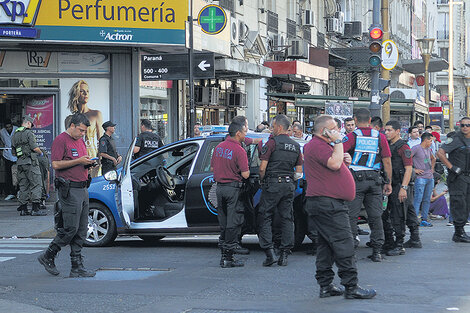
107,149
413,136
394,216
230,166
420,126
371,154
329,186
298,132
423,164
25,148
428,129
279,157
349,125
6,134
147,141
71,164
458,162
197,129
377,124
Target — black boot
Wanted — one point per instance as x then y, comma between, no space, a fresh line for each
37,211
270,257
229,261
78,270
23,209
414,241
222,257
47,259
283,258
357,292
331,290
389,244
376,256
240,250
460,235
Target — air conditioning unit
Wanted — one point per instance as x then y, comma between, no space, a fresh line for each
206,95
332,25
236,99
353,30
340,16
234,31
298,49
309,18
242,31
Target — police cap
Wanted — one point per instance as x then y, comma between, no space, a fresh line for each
28,118
108,124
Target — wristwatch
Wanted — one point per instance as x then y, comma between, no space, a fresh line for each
337,141
404,187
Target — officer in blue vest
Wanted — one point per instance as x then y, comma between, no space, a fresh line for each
370,154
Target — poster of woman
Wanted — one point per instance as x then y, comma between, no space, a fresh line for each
77,96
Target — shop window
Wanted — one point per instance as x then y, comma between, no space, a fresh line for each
28,83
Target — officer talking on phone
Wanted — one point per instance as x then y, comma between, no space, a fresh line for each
370,154
71,163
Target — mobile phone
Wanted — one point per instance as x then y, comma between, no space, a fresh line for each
326,133
94,159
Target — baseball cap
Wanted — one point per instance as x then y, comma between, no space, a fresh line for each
28,118
437,136
108,124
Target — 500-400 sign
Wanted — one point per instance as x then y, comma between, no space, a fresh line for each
162,70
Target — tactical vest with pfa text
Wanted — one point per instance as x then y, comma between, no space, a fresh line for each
366,154
283,159
398,168
460,157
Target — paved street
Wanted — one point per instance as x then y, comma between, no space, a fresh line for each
182,275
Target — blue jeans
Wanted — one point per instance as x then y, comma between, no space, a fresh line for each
423,192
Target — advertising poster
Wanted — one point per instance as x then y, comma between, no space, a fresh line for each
89,96
340,110
41,108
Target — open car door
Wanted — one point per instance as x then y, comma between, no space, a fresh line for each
125,190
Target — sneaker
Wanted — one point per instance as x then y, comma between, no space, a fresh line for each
450,224
425,224
9,197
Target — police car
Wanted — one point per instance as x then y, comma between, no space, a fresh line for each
167,192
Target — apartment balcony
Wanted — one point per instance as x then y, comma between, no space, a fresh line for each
442,1
443,34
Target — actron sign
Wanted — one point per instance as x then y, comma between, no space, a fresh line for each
124,21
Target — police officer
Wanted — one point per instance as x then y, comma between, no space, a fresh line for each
25,148
107,149
370,151
71,163
394,216
230,165
279,156
458,180
147,141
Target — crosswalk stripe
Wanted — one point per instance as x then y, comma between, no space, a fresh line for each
3,259
18,251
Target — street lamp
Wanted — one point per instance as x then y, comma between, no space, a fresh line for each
467,85
425,46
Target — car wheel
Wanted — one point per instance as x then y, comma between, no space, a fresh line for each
300,227
101,226
151,239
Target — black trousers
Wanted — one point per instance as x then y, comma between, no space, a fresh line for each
335,244
276,207
411,218
74,209
369,193
459,191
393,217
230,213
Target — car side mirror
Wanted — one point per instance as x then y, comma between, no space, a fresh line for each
111,176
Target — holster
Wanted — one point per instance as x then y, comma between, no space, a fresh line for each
58,220
88,181
63,186
358,176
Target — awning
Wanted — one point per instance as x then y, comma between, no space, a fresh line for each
236,69
297,69
416,66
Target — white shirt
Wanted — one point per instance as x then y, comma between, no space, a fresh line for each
414,142
6,138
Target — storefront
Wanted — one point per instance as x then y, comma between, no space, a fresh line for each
61,57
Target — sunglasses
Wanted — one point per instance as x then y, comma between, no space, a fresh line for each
464,125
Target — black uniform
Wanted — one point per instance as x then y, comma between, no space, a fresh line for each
147,141
278,191
108,146
458,149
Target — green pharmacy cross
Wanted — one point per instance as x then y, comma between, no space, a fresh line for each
212,19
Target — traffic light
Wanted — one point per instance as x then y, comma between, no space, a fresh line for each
375,47
383,84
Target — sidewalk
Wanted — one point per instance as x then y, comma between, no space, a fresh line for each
12,224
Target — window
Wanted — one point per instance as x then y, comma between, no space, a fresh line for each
444,53
206,164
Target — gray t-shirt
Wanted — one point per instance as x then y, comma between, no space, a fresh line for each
422,161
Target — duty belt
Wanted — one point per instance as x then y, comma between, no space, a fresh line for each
236,184
78,184
280,179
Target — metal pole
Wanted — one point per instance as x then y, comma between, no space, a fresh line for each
385,73
192,109
451,65
468,100
426,58
374,107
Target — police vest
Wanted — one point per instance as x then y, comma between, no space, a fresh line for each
283,159
20,142
460,157
398,168
366,154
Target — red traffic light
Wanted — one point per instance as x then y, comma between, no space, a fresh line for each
376,33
